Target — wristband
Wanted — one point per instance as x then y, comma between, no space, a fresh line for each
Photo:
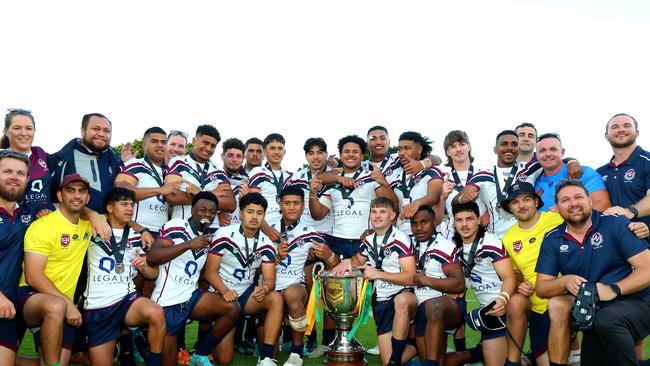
460,198
143,230
505,295
424,167
331,258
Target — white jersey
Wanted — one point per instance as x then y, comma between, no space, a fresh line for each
483,278
492,190
291,270
270,183
351,209
459,177
150,212
235,180
409,188
207,176
387,166
433,256
241,257
325,225
177,279
384,252
108,280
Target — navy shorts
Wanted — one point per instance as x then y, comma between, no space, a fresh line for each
176,315
23,294
538,328
9,334
105,324
421,317
384,312
243,298
345,247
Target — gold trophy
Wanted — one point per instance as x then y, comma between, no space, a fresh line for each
340,296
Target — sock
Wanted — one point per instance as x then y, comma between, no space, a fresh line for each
551,363
180,339
297,348
476,354
207,345
510,363
154,359
328,336
644,362
312,337
460,345
398,350
411,342
431,363
126,347
266,351
201,333
286,334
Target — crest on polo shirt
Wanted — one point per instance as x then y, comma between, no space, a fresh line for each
597,240
564,248
42,163
26,219
517,246
540,192
629,175
65,240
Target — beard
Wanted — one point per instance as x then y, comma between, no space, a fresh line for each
12,196
579,221
622,145
94,147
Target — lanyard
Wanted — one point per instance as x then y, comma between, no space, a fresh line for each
469,264
203,173
156,176
407,188
459,185
347,191
500,196
278,183
284,236
119,248
420,263
257,238
379,256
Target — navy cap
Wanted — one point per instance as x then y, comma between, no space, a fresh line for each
517,189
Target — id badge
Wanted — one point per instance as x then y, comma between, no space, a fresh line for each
406,201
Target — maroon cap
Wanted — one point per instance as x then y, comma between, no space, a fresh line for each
74,178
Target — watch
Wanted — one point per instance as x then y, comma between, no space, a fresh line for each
634,212
616,289
143,230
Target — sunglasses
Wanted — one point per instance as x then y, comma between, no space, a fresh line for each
19,111
177,133
554,135
13,154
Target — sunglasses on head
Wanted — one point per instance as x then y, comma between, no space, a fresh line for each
177,133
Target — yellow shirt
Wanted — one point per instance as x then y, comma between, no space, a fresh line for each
64,244
523,248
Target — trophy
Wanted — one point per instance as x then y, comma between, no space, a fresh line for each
340,296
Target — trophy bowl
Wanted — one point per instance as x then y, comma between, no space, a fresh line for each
340,295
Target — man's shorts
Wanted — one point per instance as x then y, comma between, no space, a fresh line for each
538,328
23,294
243,298
421,317
384,312
176,315
105,324
9,334
345,247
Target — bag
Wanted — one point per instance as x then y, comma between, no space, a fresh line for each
478,320
585,306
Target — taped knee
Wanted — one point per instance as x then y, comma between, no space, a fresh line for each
299,324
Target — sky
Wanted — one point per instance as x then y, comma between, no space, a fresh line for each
329,69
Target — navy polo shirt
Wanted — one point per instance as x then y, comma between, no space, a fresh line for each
12,233
628,182
601,257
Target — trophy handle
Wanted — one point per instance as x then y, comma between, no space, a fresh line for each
317,269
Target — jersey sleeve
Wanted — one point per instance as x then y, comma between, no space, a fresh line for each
176,166
257,177
39,238
629,245
592,180
531,171
132,168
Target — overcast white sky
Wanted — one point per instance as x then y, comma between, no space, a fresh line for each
331,68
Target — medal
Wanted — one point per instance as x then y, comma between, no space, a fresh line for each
119,268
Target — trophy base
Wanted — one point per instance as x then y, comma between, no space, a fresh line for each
354,358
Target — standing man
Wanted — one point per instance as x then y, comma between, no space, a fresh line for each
198,173
55,246
254,153
14,220
527,135
181,251
176,145
238,251
598,249
233,160
111,300
145,177
627,176
91,157
378,145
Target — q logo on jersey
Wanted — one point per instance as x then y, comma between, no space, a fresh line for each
475,278
239,274
107,264
629,175
286,263
191,268
37,186
349,202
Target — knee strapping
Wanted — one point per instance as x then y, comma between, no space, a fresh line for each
299,324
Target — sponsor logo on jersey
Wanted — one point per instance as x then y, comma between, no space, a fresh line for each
597,240
564,248
65,240
517,246
26,219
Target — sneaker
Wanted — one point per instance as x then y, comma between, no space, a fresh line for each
183,357
197,360
126,359
318,352
293,360
266,362
373,351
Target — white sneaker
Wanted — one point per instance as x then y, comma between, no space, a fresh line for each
373,351
293,360
266,362
318,352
